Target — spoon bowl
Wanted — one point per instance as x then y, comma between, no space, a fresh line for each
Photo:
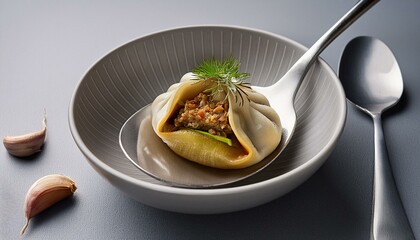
372,80
151,156
375,83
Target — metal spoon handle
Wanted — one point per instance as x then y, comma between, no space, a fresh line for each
294,77
389,220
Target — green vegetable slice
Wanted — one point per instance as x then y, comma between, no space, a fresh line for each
218,138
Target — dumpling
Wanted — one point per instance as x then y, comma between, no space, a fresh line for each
204,121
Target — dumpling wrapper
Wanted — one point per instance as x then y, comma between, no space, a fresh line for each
255,124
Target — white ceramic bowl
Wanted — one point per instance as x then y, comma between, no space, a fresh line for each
133,74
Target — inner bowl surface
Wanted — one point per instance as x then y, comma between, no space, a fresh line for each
132,75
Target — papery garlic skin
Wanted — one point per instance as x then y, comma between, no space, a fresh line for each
45,192
27,144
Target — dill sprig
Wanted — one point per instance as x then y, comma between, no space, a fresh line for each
226,76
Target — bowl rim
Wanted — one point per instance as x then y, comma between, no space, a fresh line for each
208,191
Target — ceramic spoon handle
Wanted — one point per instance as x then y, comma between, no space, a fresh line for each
389,220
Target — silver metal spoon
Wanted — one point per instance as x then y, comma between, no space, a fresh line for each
372,81
150,155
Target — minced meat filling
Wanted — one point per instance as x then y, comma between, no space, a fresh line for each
203,113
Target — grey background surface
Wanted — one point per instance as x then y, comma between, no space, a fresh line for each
47,46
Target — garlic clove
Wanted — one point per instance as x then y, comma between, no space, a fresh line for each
27,144
44,193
